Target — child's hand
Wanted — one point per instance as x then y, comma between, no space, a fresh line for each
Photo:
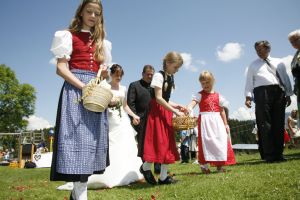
227,129
104,72
178,113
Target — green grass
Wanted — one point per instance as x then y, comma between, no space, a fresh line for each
249,179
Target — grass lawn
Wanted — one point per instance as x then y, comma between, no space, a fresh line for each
251,178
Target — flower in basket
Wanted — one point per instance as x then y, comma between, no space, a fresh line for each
116,104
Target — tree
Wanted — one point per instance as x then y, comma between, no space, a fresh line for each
17,101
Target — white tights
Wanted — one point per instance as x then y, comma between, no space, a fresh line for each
163,170
79,191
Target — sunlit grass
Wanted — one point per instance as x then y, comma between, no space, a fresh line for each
249,179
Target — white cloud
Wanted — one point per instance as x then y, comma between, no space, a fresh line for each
231,51
53,61
37,123
243,114
187,62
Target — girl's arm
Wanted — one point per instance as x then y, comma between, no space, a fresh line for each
63,70
166,105
290,126
191,106
223,116
178,106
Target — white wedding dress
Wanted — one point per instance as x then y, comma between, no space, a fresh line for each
124,163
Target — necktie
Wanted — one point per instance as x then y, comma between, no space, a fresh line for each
274,72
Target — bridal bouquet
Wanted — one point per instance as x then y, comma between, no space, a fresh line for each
116,104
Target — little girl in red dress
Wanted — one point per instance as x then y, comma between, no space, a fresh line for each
214,145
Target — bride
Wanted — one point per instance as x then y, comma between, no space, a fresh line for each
124,163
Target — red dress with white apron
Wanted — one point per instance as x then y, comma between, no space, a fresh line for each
213,141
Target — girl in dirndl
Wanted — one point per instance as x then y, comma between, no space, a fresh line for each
214,146
159,143
81,136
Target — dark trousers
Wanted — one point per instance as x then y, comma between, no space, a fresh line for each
270,105
184,151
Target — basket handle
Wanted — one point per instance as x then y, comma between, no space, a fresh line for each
99,72
99,77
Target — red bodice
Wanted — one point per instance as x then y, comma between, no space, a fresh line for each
209,102
82,54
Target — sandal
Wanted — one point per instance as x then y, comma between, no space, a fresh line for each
204,170
221,170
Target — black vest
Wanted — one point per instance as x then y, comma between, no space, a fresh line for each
168,83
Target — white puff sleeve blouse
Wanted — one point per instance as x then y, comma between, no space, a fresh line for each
62,44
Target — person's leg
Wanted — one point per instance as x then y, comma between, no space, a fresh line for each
157,168
163,172
80,191
145,169
220,169
263,121
164,178
278,118
184,153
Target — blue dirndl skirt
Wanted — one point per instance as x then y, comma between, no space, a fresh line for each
81,136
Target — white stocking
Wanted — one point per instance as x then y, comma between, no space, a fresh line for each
163,172
80,191
147,166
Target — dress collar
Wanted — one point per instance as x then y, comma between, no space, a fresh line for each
85,31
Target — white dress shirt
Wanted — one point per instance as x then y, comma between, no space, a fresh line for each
259,74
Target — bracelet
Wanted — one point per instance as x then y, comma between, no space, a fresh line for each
226,126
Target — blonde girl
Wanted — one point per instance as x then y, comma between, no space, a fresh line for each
213,144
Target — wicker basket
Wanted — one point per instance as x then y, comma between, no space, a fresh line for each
184,122
95,96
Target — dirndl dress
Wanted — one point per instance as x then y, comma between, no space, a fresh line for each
214,146
159,144
81,136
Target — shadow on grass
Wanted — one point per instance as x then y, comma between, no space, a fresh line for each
255,161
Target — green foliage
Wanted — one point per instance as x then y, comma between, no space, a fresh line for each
16,101
251,178
241,131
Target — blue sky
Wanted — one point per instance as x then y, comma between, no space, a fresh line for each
212,35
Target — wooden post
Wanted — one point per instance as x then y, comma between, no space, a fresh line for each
20,155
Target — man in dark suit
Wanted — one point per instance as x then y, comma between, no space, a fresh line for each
138,99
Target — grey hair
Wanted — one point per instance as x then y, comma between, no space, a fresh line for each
295,33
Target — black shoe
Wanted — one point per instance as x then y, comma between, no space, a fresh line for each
184,162
281,159
168,180
148,176
275,160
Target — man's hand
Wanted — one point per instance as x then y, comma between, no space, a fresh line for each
248,102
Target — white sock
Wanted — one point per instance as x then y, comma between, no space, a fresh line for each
163,172
147,166
80,191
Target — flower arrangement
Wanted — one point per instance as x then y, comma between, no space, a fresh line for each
116,105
